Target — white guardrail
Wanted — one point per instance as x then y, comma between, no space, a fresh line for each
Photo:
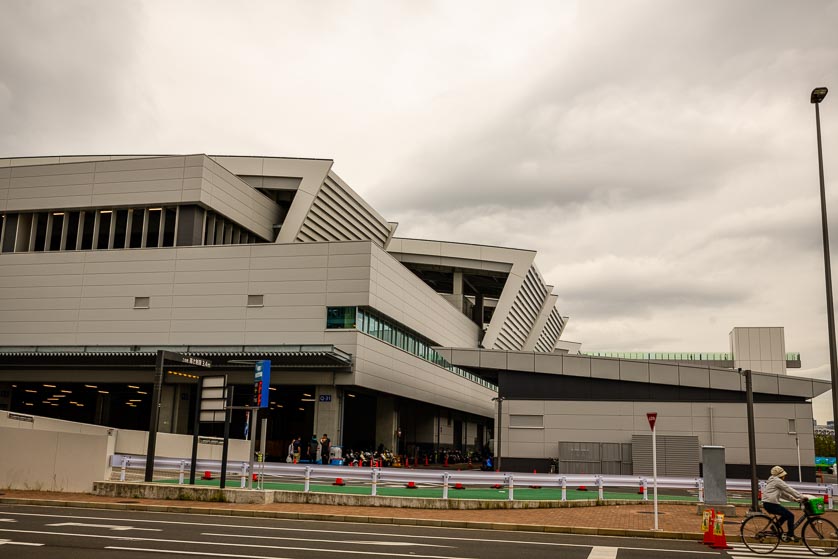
446,479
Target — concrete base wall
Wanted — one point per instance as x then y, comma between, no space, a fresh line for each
244,496
52,461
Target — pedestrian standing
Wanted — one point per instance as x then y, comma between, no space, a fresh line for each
325,447
313,444
297,444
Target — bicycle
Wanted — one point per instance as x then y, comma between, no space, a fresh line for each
762,533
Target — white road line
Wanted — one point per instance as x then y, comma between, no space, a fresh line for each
399,553
356,542
106,527
7,520
376,534
204,554
10,542
603,553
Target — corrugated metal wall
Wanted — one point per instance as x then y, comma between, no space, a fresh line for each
595,458
678,455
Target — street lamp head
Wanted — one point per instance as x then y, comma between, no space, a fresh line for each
818,94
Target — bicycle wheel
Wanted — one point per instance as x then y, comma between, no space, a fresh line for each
821,536
760,534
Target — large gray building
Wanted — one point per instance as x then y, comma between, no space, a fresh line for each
374,339
107,259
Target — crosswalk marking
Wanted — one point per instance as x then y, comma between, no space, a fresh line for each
603,553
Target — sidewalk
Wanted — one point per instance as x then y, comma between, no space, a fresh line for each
675,521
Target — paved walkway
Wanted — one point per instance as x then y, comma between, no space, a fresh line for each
675,521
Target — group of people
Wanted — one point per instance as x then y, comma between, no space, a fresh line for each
311,451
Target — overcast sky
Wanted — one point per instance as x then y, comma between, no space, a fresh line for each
659,155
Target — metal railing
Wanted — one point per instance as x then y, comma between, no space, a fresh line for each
130,468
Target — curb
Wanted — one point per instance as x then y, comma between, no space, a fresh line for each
279,515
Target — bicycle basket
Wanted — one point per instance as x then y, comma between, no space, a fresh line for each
815,505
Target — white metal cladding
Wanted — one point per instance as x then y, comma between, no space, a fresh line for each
523,313
551,332
677,455
336,215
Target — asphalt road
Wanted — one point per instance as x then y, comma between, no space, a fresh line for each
75,533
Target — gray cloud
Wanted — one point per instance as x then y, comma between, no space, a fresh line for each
67,74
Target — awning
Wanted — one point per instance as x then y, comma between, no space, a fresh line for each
228,357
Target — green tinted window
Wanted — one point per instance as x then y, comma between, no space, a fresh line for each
340,317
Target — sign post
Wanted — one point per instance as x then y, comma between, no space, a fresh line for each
652,418
261,397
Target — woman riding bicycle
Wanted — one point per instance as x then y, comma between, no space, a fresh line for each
775,489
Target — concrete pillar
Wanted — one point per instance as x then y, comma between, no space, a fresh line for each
167,407
458,283
386,422
327,412
190,226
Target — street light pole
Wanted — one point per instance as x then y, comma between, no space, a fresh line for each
818,95
752,446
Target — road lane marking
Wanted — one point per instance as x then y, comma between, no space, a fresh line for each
226,544
106,526
296,539
7,520
202,553
603,553
10,542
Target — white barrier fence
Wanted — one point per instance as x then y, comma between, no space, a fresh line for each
446,479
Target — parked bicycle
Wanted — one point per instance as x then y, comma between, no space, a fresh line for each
762,533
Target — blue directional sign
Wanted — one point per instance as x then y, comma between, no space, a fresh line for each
261,384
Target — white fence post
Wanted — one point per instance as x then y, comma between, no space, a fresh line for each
645,483
564,488
511,483
829,490
374,490
244,475
124,467
599,487
700,484
307,484
180,474
445,476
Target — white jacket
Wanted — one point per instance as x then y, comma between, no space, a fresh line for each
776,489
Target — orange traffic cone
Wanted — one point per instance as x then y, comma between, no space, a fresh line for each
410,485
339,481
255,477
707,526
719,540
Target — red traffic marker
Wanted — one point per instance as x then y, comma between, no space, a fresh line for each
458,485
410,485
207,475
339,481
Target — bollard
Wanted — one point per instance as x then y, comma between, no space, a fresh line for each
374,490
645,483
124,467
180,475
564,489
307,484
511,484
700,484
445,476
599,484
829,490
244,475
